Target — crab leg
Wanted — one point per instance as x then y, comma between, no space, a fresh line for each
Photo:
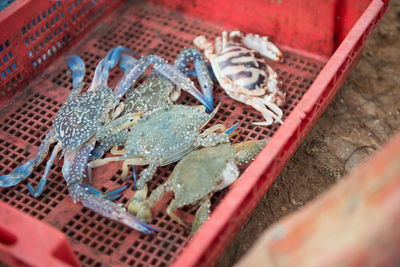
106,64
43,180
202,214
170,72
74,164
23,171
201,68
263,46
173,216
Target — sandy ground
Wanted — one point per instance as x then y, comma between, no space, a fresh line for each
361,118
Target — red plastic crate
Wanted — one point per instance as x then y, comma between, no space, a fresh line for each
321,41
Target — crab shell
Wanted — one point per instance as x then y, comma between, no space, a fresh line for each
202,173
150,95
80,117
166,134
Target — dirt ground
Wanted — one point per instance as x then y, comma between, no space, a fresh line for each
361,118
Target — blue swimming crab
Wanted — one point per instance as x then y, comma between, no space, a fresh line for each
162,137
239,66
155,92
196,178
75,126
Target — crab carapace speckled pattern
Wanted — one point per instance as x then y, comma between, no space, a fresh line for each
162,137
196,178
75,126
154,93
237,61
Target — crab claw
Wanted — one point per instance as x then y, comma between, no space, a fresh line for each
263,46
17,175
77,66
126,62
117,212
106,64
201,69
170,72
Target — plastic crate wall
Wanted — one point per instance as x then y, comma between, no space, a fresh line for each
33,33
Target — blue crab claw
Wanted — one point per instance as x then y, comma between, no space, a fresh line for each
108,63
39,188
192,72
170,72
17,175
117,212
230,130
113,195
201,70
115,53
77,66
126,62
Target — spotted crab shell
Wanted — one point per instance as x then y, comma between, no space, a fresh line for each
166,134
200,173
149,95
79,118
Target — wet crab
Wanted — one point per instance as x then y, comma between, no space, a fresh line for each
162,137
76,124
196,178
240,69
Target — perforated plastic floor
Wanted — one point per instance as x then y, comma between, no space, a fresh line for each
98,241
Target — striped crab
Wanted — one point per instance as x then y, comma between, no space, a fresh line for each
162,137
240,69
196,178
75,126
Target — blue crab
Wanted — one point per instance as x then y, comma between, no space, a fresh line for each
196,178
162,137
240,69
75,126
154,93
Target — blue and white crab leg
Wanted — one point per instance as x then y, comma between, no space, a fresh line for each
200,67
160,65
77,66
75,163
106,64
23,171
43,179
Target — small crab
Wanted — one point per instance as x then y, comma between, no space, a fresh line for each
196,178
162,137
75,126
242,72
